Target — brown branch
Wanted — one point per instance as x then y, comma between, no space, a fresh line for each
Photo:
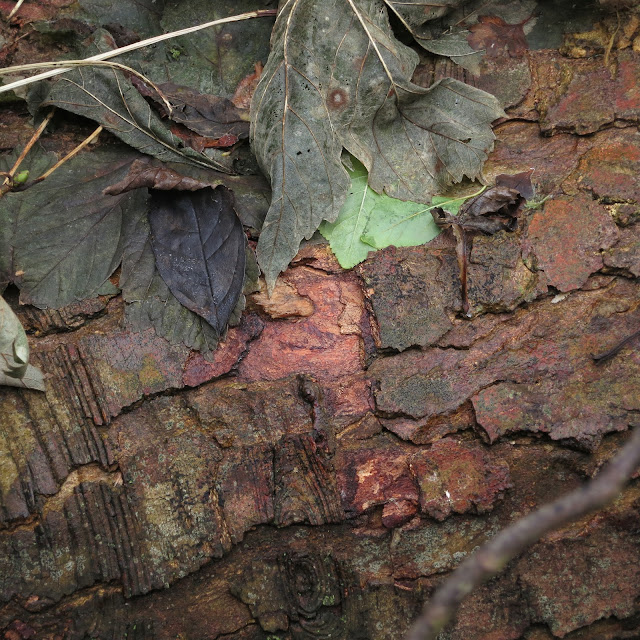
495,554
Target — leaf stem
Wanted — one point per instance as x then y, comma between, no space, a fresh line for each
7,184
70,155
262,13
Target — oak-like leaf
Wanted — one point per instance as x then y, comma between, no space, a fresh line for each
199,247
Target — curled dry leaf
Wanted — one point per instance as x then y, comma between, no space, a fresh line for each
251,193
496,209
147,174
207,115
15,370
246,88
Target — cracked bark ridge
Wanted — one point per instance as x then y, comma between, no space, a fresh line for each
551,386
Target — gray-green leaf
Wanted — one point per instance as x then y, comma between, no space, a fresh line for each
110,99
67,236
15,370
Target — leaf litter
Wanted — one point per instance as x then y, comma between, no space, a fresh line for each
336,78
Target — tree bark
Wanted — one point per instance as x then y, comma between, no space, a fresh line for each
355,437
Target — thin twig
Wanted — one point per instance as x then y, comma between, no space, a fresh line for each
138,45
70,155
495,554
85,63
32,141
15,9
8,184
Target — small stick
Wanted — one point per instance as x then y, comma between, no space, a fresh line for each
7,184
15,9
506,545
27,148
612,352
69,155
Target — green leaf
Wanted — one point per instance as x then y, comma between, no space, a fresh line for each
369,220
344,234
67,237
405,224
337,77
15,370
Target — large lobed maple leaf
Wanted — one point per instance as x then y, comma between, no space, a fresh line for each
338,78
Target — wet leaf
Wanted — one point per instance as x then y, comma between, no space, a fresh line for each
199,247
142,16
37,162
414,14
151,304
143,173
107,97
15,370
68,236
369,220
453,45
246,88
413,141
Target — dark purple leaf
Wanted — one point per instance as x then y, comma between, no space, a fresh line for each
199,247
521,182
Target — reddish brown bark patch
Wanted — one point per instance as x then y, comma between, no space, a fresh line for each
567,238
456,478
199,369
312,345
545,356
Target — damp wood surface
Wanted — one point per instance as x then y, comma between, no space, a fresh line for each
354,437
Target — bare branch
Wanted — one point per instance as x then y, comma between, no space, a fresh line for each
492,557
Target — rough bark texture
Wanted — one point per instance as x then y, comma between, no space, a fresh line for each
354,438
